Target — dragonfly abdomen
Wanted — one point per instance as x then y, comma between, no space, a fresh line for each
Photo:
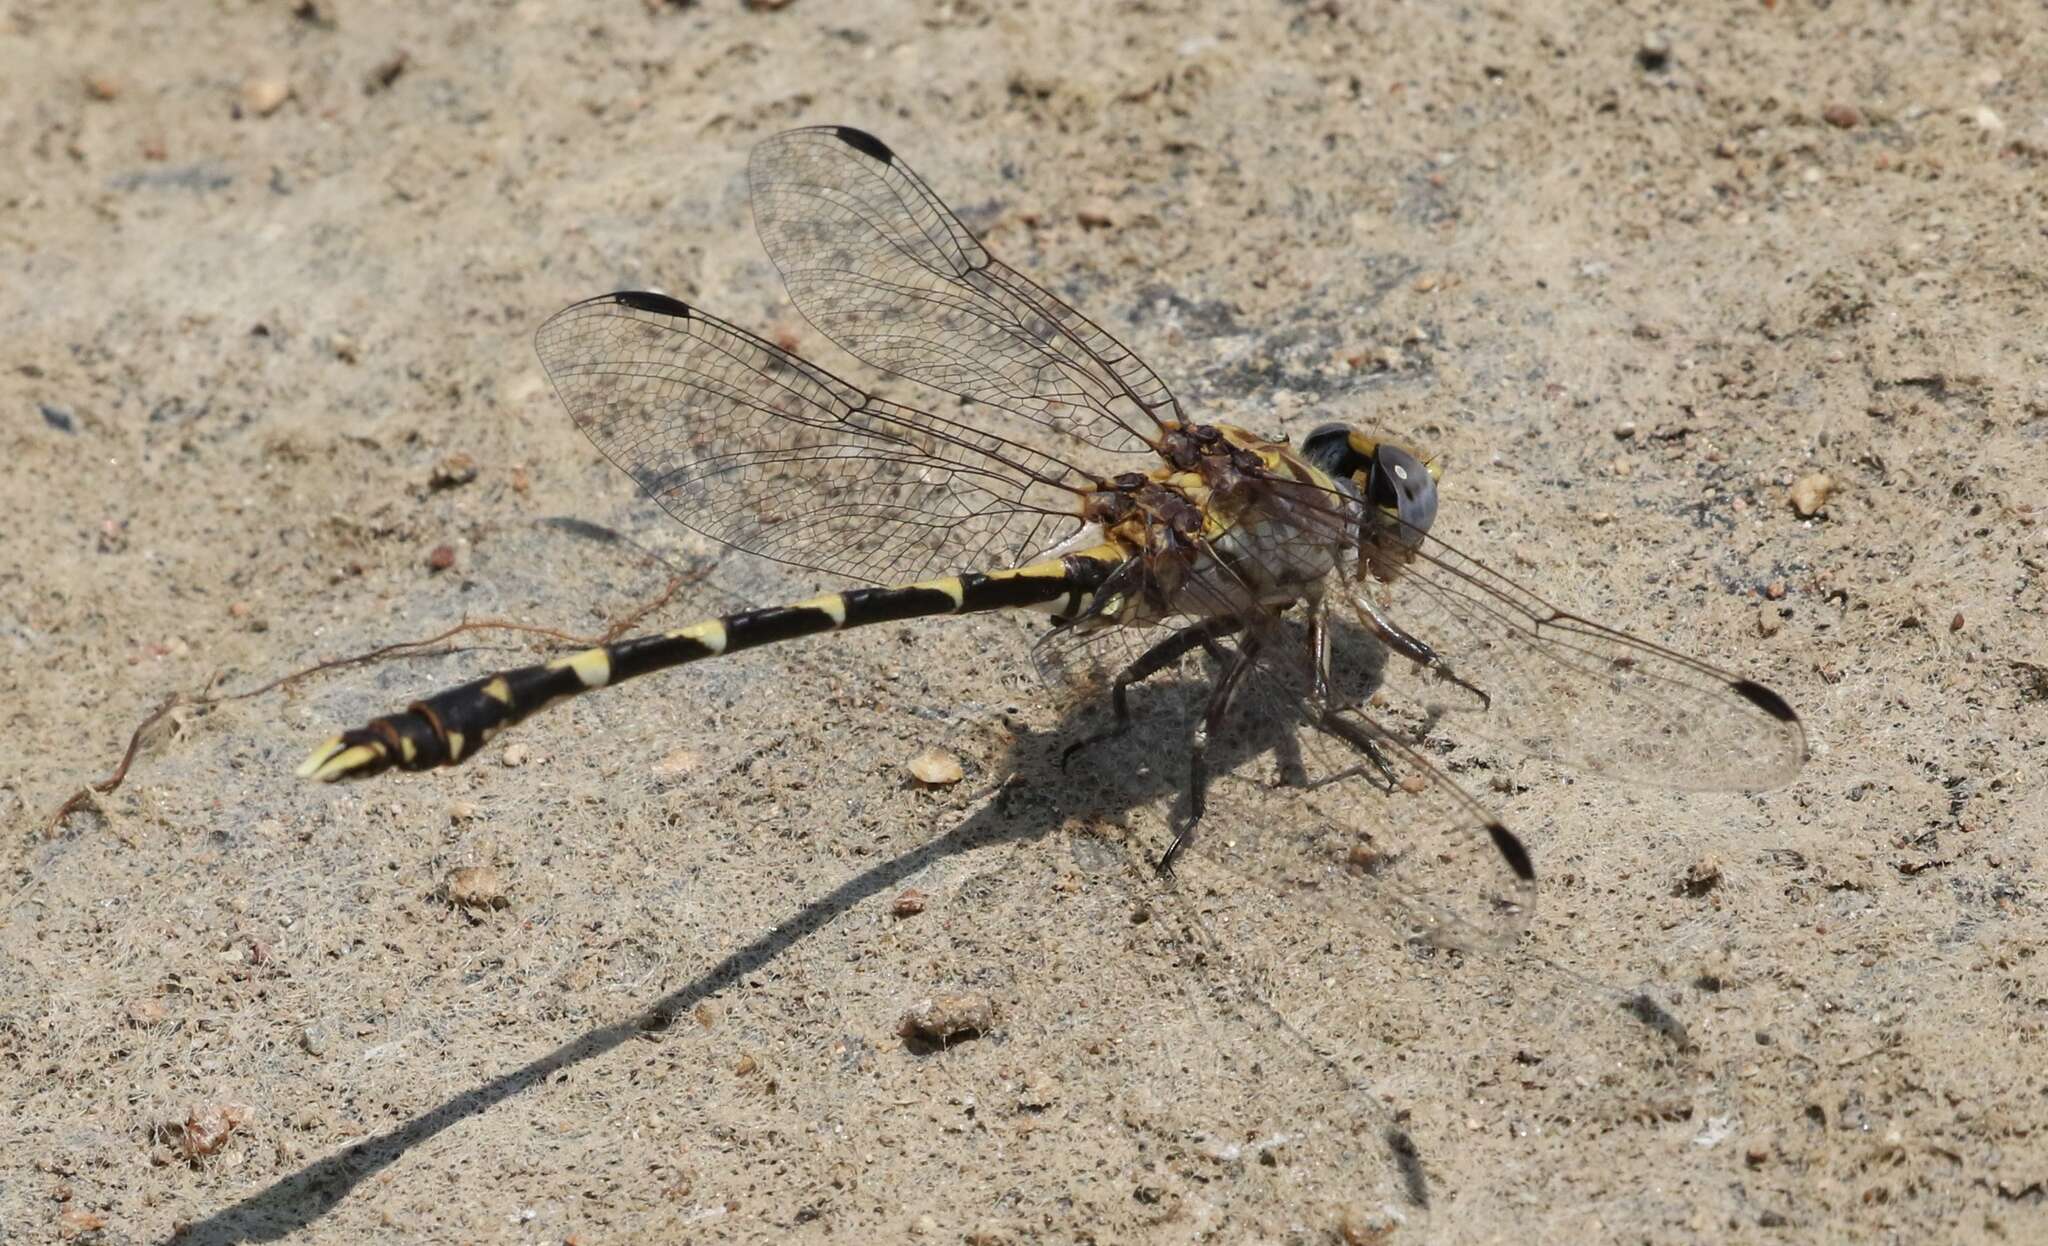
451,725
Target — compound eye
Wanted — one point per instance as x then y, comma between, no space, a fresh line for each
1402,484
1329,449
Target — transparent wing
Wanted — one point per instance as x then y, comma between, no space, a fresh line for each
1362,827
752,446
1392,837
1563,687
878,264
1352,819
1544,681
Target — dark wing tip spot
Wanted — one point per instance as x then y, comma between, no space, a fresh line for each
648,301
1511,849
864,143
1764,699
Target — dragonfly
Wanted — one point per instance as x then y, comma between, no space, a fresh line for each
1303,580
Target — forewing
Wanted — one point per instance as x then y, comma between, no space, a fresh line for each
752,446
877,263
1563,687
1555,685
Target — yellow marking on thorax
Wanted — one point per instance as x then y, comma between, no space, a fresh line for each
593,669
832,605
710,634
498,690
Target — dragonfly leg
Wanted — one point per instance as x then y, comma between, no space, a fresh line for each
1198,765
1151,662
1415,650
1330,723
1326,717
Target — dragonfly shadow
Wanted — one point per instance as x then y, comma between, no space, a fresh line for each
1267,715
300,1199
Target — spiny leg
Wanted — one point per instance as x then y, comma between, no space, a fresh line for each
1148,664
1329,723
1415,650
1198,766
1325,717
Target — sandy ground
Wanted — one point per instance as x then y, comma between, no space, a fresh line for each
1634,273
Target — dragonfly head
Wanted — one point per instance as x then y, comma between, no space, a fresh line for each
1400,485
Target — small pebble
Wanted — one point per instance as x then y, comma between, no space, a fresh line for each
1768,622
1775,590
1654,53
909,904
461,810
935,768
680,762
1425,283
1842,116
938,1018
1810,493
205,1130
1357,1226
1987,121
452,470
77,1223
1363,860
476,887
145,1014
1094,216
58,418
440,558
102,87
1624,431
1703,876
1956,624
514,756
386,72
315,1039
264,96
